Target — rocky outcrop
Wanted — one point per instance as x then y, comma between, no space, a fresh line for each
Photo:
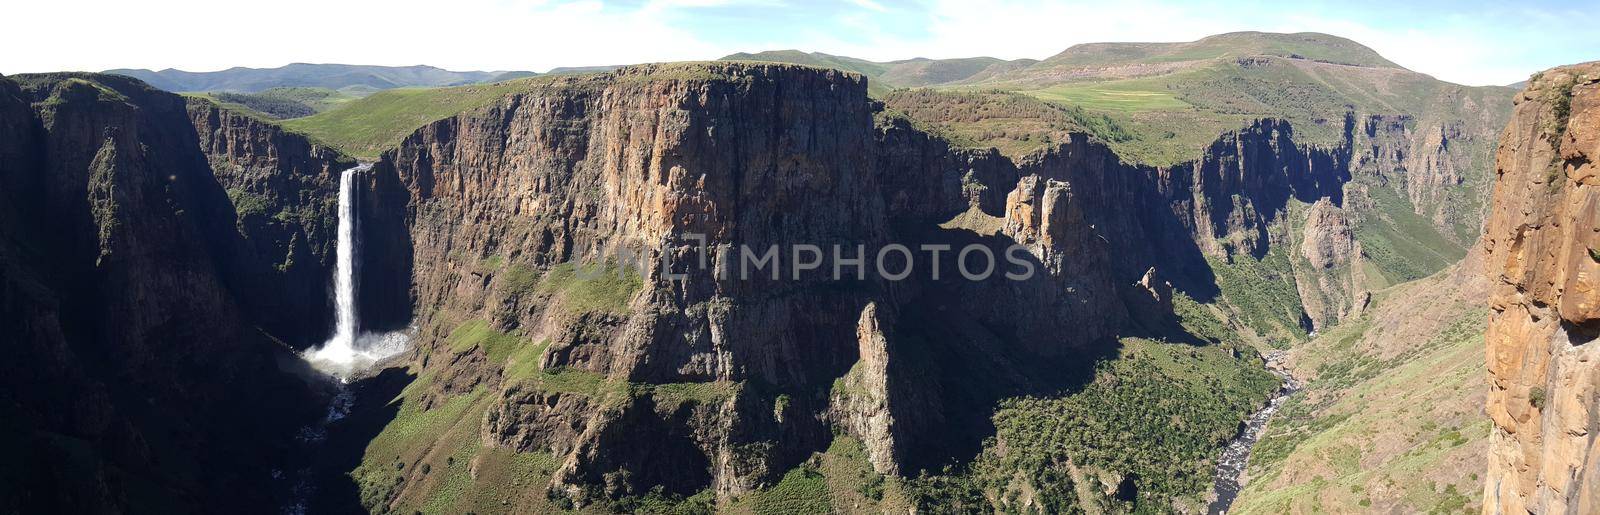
1541,241
1333,285
1327,239
134,368
886,409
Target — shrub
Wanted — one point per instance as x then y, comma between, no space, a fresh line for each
247,203
872,487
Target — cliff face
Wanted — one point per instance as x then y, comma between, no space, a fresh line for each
1233,204
133,365
1541,241
506,205
1433,162
284,191
635,162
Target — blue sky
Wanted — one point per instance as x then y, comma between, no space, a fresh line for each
1472,42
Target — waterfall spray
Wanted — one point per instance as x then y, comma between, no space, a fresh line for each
348,350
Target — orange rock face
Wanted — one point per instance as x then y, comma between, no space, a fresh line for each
1541,241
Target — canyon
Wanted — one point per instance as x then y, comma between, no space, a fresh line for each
191,250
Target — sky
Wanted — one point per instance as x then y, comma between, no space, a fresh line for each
1468,41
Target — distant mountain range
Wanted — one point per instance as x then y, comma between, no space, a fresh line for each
1088,60
351,79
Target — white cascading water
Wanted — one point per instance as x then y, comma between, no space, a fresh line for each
348,351
344,275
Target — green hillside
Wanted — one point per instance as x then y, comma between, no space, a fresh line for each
1013,123
926,72
1208,91
883,77
1391,418
1304,45
1174,98
283,103
366,127
331,76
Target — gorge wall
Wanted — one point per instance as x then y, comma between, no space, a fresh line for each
142,284
506,204
163,257
1545,310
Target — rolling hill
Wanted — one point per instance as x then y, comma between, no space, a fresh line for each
352,79
1304,45
283,103
367,126
1207,87
884,76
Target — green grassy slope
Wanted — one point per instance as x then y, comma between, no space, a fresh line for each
368,126
1156,415
924,72
1261,295
1390,420
283,103
1400,244
319,99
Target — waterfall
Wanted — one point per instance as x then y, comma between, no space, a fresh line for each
348,350
344,278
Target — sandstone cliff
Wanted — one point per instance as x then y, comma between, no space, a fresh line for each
1541,241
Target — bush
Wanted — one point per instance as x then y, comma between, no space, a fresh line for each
872,488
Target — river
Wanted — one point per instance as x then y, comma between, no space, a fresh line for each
1231,466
